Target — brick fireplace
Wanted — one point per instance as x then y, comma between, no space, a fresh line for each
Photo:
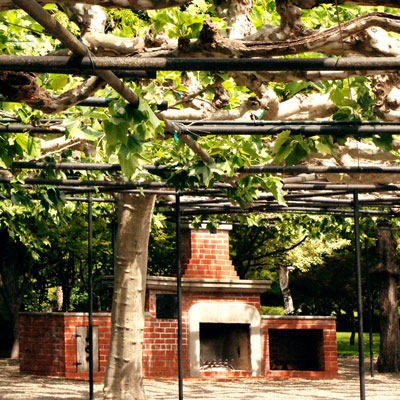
223,333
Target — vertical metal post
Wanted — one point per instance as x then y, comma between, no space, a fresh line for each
369,308
359,297
90,290
179,290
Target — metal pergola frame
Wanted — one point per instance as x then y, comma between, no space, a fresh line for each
255,128
309,197
313,201
108,68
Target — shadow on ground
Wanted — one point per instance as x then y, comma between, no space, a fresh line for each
15,386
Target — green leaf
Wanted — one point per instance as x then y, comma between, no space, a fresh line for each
59,82
22,141
34,147
281,139
283,153
296,155
128,161
385,142
323,148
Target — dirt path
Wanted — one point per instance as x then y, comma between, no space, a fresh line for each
14,386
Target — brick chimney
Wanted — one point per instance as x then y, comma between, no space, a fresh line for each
205,255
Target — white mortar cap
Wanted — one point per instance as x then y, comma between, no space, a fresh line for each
221,227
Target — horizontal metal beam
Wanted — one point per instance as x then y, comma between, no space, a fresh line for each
251,123
305,130
134,185
288,210
78,166
75,166
231,130
31,129
341,186
53,63
321,170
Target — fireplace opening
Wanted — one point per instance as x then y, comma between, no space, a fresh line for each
296,349
224,346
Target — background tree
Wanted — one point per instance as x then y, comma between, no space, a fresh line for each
386,272
271,249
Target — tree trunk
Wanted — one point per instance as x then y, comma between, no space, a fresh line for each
123,380
60,298
14,261
387,273
353,328
15,346
284,284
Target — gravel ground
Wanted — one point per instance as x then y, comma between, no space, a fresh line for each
14,386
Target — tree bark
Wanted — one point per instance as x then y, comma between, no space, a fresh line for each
387,273
353,328
123,379
60,298
284,284
13,260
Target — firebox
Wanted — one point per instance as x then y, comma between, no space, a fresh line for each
227,333
224,346
296,349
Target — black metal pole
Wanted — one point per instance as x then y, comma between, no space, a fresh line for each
359,297
369,308
179,290
256,169
249,130
83,63
90,289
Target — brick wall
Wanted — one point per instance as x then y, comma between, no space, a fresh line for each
42,344
206,255
48,345
328,351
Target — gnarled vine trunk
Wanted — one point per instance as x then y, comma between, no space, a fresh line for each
123,379
387,272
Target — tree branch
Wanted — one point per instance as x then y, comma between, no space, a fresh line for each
328,41
251,104
62,143
22,86
285,250
130,4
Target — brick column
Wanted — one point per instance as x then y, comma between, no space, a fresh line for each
205,255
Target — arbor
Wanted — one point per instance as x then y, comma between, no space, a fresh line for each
136,133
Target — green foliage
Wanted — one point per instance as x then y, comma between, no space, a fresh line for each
127,130
161,248
289,148
264,12
127,23
186,22
268,310
17,146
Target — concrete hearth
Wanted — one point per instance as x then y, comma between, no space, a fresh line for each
224,313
